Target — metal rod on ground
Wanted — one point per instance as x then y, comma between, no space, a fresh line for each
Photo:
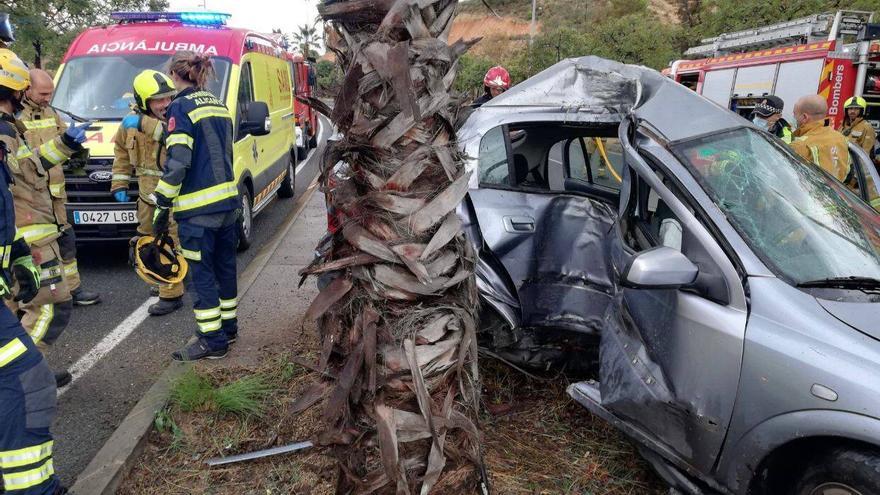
219,461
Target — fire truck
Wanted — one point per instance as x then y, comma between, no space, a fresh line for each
302,72
836,55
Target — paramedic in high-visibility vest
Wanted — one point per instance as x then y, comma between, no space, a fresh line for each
27,387
198,185
42,125
768,116
816,142
858,130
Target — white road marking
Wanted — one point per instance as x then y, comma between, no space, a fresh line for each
111,340
312,154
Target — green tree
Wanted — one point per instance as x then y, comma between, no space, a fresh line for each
329,76
45,28
306,38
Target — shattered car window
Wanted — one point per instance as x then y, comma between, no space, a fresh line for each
803,223
493,167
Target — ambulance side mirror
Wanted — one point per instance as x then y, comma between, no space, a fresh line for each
256,121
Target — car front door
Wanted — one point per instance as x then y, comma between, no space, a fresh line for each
671,357
549,242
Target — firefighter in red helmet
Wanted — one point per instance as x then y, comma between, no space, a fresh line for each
496,81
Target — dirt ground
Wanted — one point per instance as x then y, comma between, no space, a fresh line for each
537,441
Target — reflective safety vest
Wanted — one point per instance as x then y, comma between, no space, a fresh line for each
198,178
139,153
43,125
34,210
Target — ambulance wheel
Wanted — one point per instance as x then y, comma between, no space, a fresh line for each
246,222
288,186
301,152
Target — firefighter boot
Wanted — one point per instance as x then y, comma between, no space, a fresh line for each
199,350
84,298
63,378
166,306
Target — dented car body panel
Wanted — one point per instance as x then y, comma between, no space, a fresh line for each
752,344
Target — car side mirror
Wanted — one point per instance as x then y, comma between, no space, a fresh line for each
659,268
256,121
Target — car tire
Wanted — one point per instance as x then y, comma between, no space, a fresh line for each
301,152
288,185
845,471
246,222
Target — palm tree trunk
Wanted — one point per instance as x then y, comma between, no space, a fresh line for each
397,324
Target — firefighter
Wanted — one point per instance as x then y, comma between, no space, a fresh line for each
44,125
817,142
46,316
199,184
767,115
858,130
139,149
27,387
495,82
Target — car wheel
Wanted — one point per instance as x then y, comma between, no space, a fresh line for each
246,222
288,186
841,472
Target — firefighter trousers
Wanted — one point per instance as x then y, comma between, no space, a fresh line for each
67,247
46,316
145,227
212,280
27,406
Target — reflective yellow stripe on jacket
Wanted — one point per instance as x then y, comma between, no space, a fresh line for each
13,349
51,153
33,233
181,139
5,255
205,112
39,124
204,197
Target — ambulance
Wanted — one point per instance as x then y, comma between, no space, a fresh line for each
252,77
834,54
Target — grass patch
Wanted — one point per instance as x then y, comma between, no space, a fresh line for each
242,397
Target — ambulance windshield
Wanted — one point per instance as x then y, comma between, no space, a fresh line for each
99,88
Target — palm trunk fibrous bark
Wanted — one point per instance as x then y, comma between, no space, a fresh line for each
397,323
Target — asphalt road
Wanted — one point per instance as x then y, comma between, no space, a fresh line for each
115,351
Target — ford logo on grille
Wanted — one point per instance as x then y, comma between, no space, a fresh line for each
101,176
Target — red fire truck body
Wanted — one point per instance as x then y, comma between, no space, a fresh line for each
303,73
790,70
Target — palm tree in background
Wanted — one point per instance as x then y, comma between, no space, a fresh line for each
306,38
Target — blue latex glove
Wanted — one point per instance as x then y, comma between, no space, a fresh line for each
132,121
78,132
121,195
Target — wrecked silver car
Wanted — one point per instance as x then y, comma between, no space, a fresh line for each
728,291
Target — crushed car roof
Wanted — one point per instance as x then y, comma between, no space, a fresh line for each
596,89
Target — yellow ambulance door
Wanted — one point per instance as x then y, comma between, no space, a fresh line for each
246,149
272,86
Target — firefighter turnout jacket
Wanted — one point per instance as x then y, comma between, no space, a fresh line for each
861,133
198,178
139,153
823,146
42,124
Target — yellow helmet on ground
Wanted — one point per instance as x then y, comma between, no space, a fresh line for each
856,102
14,73
151,84
157,262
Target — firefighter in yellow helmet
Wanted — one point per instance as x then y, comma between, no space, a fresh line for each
140,152
27,387
858,130
42,125
47,315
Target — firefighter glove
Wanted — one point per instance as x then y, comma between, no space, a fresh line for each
132,121
121,195
28,276
160,220
77,133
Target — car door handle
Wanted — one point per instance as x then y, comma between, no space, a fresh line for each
519,225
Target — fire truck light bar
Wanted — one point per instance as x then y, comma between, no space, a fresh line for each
196,18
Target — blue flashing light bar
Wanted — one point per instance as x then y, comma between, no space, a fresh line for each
194,18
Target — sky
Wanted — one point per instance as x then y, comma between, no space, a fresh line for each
259,15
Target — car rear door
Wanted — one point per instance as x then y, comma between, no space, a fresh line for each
549,242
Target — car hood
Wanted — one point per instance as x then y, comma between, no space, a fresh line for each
863,316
